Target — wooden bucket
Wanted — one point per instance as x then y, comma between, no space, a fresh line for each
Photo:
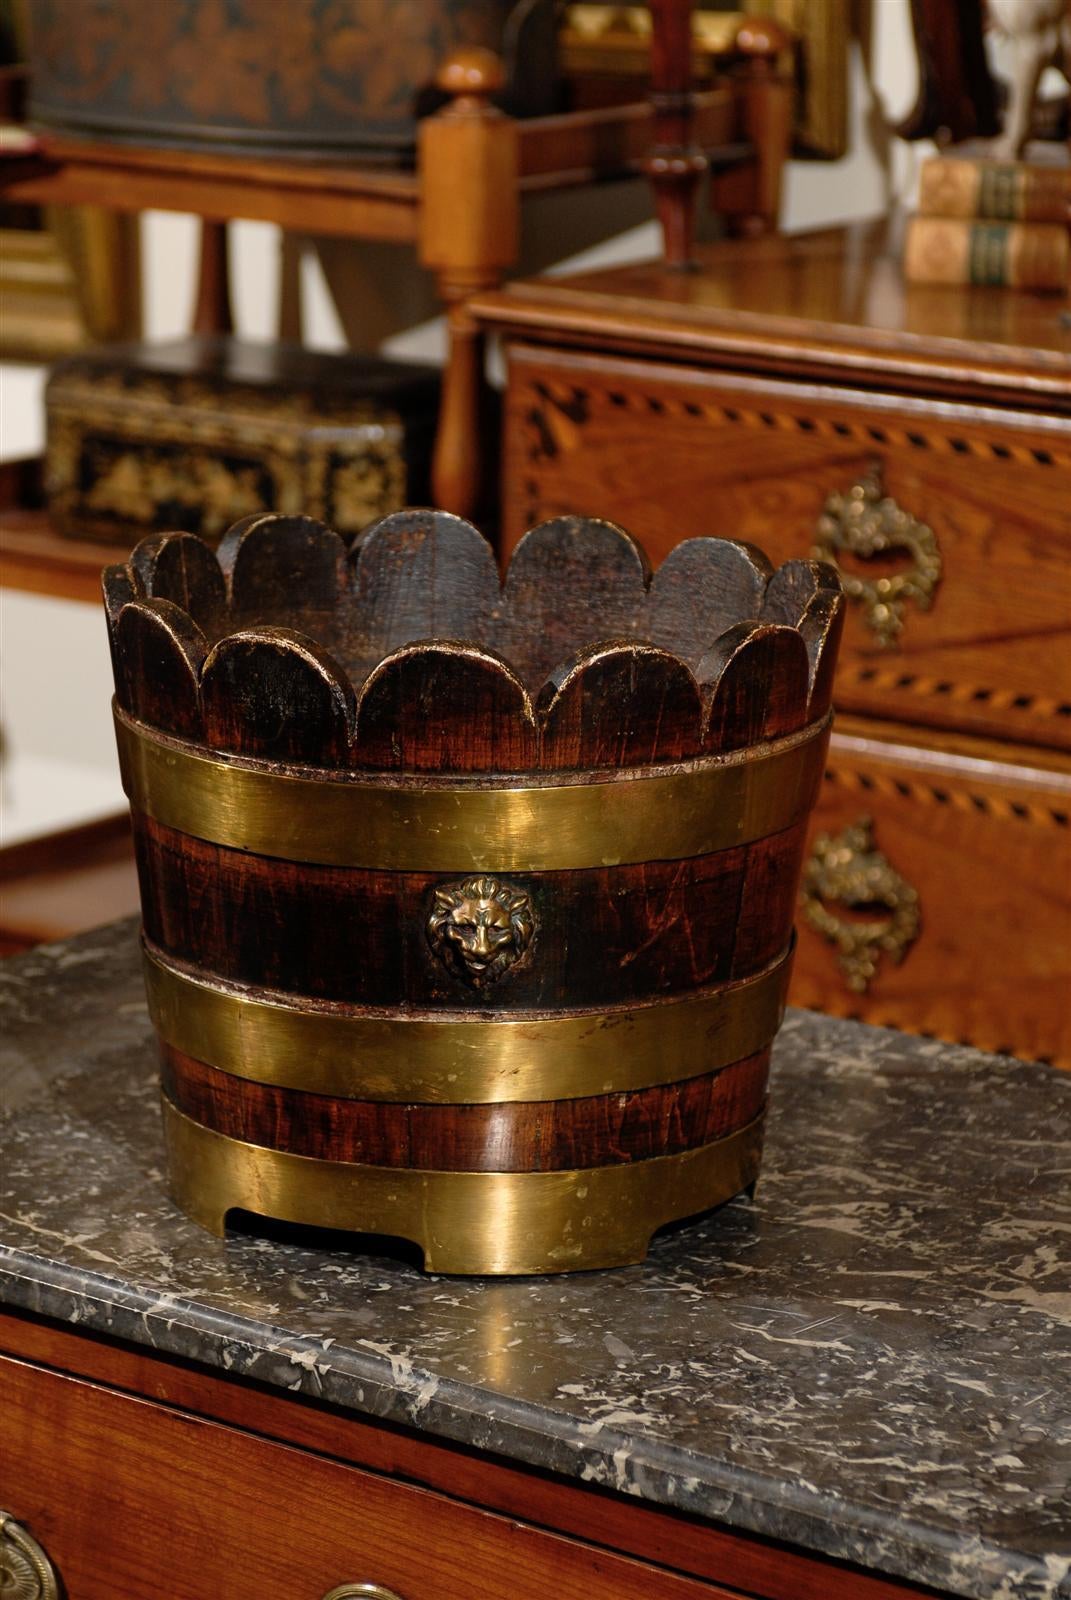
467,907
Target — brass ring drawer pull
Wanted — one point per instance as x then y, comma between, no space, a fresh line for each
26,1573
849,870
867,524
362,1591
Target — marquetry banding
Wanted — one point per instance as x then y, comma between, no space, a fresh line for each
566,398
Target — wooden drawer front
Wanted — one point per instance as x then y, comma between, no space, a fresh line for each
129,1498
987,850
671,453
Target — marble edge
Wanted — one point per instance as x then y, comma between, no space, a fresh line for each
385,1386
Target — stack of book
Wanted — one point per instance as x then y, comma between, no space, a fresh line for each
991,222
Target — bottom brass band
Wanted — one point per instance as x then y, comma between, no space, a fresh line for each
464,1222
460,1059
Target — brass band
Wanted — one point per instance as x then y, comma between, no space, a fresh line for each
338,819
465,1222
460,1059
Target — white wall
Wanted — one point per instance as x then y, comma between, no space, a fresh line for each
55,678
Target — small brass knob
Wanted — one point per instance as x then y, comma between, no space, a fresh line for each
26,1573
362,1591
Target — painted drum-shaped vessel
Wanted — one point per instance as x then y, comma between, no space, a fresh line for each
467,906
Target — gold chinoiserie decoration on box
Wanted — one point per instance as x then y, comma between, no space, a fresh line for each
869,525
849,871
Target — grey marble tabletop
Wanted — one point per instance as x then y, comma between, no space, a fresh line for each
872,1361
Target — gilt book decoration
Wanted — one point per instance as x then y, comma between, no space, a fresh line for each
467,905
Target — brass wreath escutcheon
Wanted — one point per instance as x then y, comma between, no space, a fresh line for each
26,1573
849,870
868,524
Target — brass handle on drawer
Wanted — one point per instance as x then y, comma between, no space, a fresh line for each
869,524
849,870
26,1573
361,1591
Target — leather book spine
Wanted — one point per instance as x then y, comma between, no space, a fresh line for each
994,191
1014,255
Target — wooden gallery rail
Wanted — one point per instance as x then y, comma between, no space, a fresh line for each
459,207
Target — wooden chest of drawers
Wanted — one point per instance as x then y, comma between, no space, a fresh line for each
127,1469
794,393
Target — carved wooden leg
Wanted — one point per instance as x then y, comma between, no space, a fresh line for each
675,165
749,197
459,460
469,225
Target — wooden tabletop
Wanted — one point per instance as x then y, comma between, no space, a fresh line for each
823,304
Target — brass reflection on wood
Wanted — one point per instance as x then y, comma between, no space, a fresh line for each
479,928
848,870
866,523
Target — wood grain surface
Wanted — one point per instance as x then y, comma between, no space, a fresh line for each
750,1565
985,837
522,1136
603,936
223,1512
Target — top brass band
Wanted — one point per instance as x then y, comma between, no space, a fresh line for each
354,821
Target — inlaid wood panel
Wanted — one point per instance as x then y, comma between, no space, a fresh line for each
985,841
673,452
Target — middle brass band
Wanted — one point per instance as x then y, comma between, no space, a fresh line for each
461,1058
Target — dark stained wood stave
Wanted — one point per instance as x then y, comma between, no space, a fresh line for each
755,683
703,587
603,936
445,707
117,590
820,629
530,1136
274,693
159,653
792,588
768,896
283,570
181,568
421,574
619,705
564,593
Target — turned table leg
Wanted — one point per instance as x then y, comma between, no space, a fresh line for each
676,164
749,197
469,225
212,305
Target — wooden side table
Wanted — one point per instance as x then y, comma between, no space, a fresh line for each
459,208
795,393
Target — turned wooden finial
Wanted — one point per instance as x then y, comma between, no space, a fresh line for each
471,75
761,38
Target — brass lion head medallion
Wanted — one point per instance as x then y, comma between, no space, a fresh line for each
479,927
